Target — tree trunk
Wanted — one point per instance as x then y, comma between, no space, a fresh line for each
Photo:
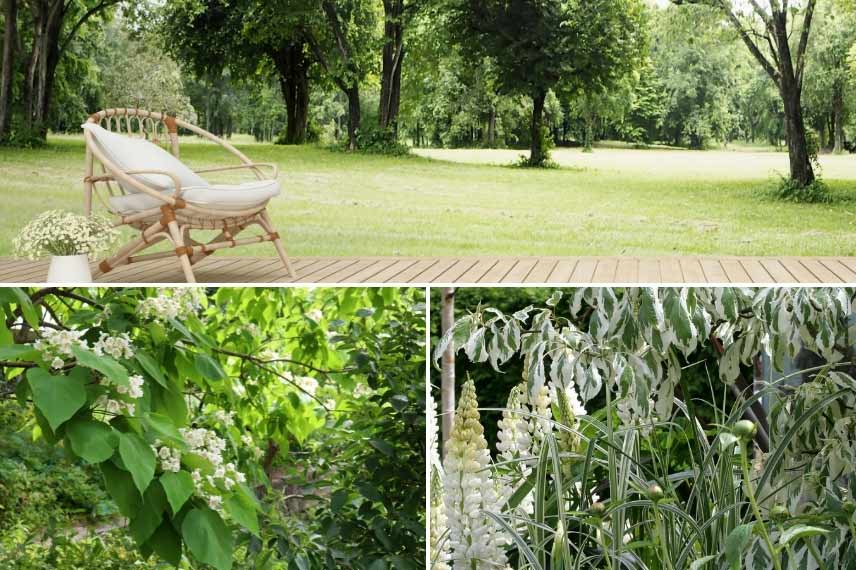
490,135
447,371
292,64
795,135
353,94
392,56
7,65
41,66
838,119
536,147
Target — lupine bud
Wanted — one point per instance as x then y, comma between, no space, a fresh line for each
655,493
745,430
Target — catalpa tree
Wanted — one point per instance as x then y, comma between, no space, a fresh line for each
190,401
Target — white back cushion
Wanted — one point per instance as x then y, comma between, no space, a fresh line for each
140,154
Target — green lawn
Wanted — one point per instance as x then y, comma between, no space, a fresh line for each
613,201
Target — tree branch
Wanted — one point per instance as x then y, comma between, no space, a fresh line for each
102,5
801,48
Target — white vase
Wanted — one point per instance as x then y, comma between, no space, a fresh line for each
69,269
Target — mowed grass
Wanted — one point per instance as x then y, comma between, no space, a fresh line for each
610,202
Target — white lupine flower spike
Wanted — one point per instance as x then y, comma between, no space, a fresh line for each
475,538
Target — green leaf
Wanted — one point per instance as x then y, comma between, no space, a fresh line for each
18,352
178,487
138,458
149,516
696,564
151,366
163,427
58,397
338,499
735,544
111,369
800,531
28,310
120,486
243,509
92,440
208,367
369,492
382,446
166,543
208,539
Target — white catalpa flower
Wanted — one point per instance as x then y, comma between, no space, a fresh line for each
170,304
224,417
55,345
307,384
362,390
135,387
118,346
474,538
170,459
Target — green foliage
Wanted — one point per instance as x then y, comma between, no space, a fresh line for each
192,403
787,190
374,140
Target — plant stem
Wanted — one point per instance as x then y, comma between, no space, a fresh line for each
815,554
750,494
661,538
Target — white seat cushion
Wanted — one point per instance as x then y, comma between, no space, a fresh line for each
214,196
140,154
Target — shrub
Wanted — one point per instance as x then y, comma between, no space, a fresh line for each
788,190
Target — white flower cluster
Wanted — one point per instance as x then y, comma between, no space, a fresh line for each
118,346
208,445
514,442
57,344
170,304
362,390
111,407
62,233
440,555
135,387
307,384
225,418
474,538
170,458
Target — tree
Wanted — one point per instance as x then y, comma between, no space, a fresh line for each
343,49
55,24
556,45
395,16
7,65
770,30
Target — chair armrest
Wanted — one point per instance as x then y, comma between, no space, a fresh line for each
253,165
140,186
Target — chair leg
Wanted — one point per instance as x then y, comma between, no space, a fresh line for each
121,257
181,250
265,223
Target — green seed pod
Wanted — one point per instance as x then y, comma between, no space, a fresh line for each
655,493
745,430
848,506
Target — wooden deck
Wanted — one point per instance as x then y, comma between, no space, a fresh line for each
473,270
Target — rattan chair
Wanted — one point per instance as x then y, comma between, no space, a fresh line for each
160,211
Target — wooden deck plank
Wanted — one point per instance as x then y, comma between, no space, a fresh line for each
649,271
470,270
820,271
605,270
755,270
670,270
562,271
843,272
800,272
627,270
520,270
692,271
734,271
475,273
541,271
713,271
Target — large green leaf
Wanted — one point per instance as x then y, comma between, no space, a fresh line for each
208,538
179,487
18,352
138,458
28,310
92,440
242,508
58,397
208,367
166,543
801,531
111,369
151,366
149,516
121,487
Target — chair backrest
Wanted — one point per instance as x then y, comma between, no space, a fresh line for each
159,128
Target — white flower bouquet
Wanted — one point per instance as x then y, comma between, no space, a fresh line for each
56,232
